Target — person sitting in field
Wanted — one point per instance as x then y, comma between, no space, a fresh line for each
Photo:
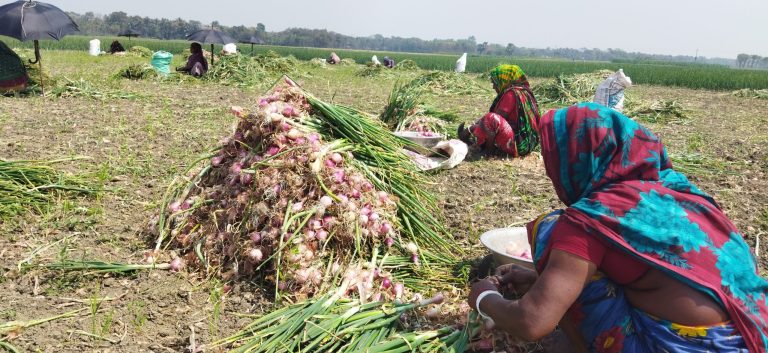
510,126
389,62
333,59
13,73
640,260
197,65
116,47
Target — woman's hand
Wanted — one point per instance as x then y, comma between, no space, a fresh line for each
478,287
515,279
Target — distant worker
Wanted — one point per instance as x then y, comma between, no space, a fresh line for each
510,128
197,65
116,47
333,59
13,73
389,62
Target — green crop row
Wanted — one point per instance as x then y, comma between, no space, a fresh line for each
692,76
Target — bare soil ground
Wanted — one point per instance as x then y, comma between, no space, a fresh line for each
137,146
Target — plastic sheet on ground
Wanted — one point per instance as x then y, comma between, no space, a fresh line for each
454,149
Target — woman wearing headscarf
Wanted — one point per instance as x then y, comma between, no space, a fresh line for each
641,260
510,125
196,65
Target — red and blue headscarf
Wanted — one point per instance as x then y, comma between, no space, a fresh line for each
618,183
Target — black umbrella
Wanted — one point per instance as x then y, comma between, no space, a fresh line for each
32,20
253,40
212,36
129,33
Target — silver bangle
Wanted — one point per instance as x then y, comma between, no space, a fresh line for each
481,297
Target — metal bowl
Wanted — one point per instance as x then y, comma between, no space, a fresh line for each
497,240
418,138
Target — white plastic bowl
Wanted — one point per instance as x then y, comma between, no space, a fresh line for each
418,138
497,240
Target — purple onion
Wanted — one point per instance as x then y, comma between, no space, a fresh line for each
337,158
263,102
256,237
367,186
389,241
344,199
326,201
285,126
338,176
363,219
383,196
273,150
316,224
185,205
277,188
297,206
329,221
397,289
256,255
373,217
313,137
238,136
330,164
384,229
177,264
415,258
216,161
366,210
355,194
386,283
321,235
236,168
290,111
246,178
175,206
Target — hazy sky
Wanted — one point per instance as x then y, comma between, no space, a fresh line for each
678,27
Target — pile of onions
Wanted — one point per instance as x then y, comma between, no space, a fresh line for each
277,191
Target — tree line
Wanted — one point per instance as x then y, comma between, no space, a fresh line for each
751,61
116,22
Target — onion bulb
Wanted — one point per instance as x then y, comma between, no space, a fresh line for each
298,206
326,201
432,312
216,161
256,237
397,289
256,255
388,241
386,283
301,276
337,158
321,235
412,247
175,206
177,264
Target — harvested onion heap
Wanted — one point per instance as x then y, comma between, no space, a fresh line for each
278,203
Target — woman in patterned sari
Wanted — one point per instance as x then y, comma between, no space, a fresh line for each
641,260
510,126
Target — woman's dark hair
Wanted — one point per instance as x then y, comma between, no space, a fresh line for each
196,48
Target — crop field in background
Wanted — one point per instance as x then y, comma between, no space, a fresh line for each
695,76
138,135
